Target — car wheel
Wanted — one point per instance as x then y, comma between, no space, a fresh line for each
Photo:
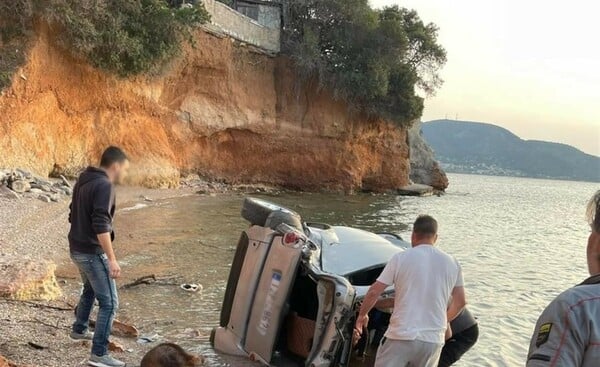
263,213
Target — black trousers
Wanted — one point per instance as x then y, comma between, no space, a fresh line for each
458,345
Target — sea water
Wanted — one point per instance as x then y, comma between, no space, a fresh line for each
520,242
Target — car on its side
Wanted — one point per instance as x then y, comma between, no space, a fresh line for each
294,288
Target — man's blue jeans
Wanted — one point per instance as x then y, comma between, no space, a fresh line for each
97,284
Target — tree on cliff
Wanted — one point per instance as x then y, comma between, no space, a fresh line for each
123,37
373,59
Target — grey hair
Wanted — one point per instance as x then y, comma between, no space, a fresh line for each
593,212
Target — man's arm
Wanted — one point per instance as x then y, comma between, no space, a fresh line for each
559,339
102,225
459,301
368,303
113,265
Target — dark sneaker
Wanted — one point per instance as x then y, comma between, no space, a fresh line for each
105,361
86,335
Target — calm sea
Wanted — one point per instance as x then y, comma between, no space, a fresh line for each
520,241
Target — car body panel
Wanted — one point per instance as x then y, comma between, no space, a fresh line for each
272,292
355,250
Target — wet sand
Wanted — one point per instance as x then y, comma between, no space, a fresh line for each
33,230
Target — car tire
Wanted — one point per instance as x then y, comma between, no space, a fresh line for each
265,214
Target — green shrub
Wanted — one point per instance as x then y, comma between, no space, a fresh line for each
373,59
123,37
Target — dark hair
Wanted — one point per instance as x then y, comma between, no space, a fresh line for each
593,212
112,155
425,225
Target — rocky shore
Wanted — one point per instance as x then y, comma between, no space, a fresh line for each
36,299
18,183
35,303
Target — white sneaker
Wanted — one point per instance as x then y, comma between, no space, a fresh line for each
105,361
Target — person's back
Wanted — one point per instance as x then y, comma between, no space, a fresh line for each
423,280
567,333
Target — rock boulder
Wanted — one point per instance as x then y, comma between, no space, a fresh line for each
424,168
28,281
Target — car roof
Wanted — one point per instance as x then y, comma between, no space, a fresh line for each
356,250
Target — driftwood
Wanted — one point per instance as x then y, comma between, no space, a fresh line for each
121,329
39,305
38,321
36,346
151,279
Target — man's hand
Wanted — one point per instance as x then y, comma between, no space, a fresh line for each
361,324
114,269
448,335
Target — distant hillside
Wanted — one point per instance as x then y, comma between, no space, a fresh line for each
474,147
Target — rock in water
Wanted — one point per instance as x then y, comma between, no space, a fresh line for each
28,281
424,168
20,186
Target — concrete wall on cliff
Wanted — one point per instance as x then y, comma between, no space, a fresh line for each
220,109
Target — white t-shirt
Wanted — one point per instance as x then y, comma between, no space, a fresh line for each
423,278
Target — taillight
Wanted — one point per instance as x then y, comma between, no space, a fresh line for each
291,238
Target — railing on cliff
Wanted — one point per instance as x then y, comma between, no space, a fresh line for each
264,33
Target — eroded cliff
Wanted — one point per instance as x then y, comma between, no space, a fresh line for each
221,109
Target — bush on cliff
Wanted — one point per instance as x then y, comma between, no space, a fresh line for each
373,59
124,37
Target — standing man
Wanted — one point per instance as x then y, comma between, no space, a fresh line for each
568,331
90,243
465,333
425,279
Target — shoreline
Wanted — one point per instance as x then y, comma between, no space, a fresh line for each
35,232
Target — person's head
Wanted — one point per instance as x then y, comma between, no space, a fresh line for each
115,163
424,231
170,355
593,247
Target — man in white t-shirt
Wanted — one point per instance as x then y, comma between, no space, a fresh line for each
429,293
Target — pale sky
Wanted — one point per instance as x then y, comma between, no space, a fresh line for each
531,66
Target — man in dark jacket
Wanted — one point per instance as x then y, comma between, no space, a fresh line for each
90,243
568,331
465,333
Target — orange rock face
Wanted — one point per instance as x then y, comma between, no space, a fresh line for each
220,110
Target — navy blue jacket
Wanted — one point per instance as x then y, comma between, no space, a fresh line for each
92,211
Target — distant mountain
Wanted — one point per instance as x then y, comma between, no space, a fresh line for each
475,147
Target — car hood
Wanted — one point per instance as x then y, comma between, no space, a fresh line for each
346,250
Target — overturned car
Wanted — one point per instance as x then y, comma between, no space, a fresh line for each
294,288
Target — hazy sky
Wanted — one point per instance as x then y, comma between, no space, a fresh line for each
531,66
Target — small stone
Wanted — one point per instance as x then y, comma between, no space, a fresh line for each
7,193
42,186
44,198
68,191
115,347
65,181
55,198
20,186
35,191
